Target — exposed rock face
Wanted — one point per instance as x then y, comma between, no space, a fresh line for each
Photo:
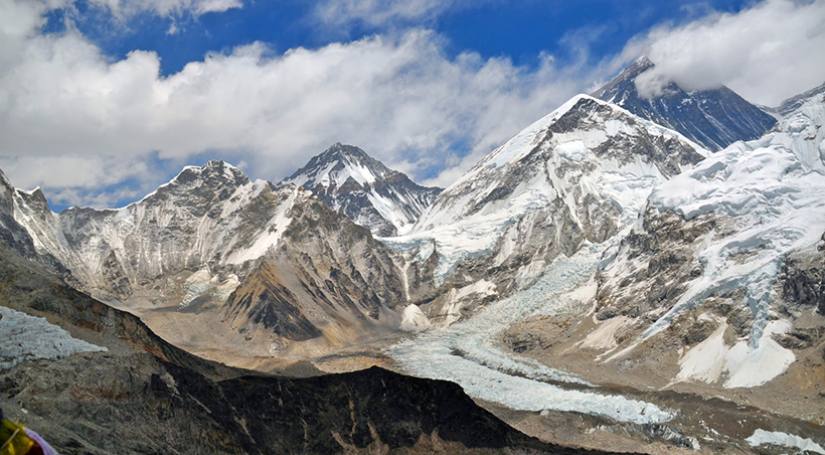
15,236
11,233
351,182
322,275
143,395
204,216
652,265
803,278
579,174
262,264
714,118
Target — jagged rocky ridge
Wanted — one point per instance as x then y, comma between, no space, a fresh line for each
134,393
351,182
714,118
266,265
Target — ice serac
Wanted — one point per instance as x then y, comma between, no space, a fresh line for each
351,182
264,266
729,255
714,118
577,175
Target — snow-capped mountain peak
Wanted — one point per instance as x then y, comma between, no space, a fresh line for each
578,174
714,118
353,183
215,176
336,165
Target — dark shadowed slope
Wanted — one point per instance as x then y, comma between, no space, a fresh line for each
713,118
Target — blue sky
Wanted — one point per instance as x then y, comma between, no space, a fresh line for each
519,30
102,100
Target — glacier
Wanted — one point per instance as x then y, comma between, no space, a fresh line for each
27,338
466,353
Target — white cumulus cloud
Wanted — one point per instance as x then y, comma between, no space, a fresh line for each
91,129
71,118
766,53
126,8
383,12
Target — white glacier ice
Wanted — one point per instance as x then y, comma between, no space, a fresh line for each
764,437
24,337
768,197
466,353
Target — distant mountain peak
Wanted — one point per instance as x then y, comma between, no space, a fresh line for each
337,164
214,178
629,73
714,118
34,198
794,102
217,170
344,151
350,181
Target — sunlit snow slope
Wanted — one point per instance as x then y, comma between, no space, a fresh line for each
577,174
726,235
351,182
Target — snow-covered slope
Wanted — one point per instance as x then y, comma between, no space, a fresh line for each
351,182
733,246
792,104
714,118
578,174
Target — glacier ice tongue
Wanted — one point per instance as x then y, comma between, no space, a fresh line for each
763,437
466,353
24,337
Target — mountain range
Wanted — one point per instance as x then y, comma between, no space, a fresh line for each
623,255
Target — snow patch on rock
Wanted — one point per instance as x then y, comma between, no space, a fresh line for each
744,364
413,319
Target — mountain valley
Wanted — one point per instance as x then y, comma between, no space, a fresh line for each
620,275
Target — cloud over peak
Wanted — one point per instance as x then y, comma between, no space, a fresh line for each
401,97
768,52
74,119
